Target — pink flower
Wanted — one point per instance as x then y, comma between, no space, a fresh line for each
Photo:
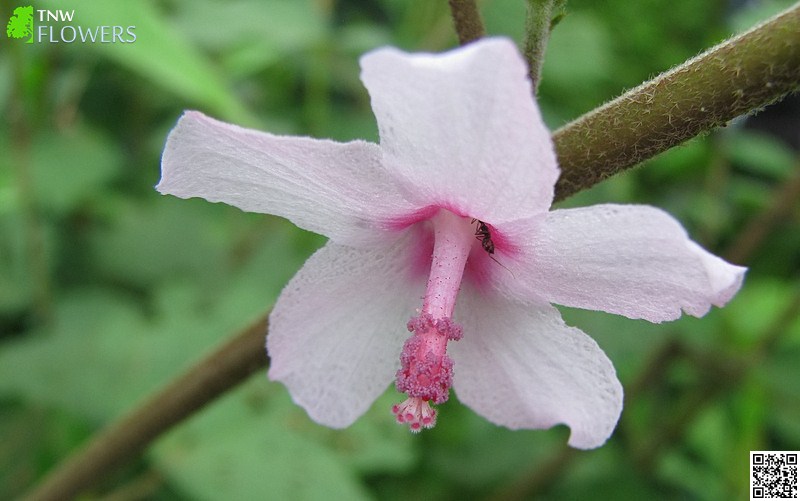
447,222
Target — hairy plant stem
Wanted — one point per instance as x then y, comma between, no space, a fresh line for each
539,22
467,20
738,76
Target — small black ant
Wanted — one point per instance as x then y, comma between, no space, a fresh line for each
484,236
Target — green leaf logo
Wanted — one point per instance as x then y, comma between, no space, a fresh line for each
20,25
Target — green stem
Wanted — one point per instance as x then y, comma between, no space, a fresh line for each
467,20
738,76
542,16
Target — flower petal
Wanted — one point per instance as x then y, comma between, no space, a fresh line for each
462,129
336,189
635,261
336,331
520,366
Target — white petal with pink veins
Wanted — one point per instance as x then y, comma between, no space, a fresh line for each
336,332
631,260
339,190
462,129
520,366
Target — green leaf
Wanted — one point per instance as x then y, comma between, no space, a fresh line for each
374,444
779,379
34,439
604,473
756,308
692,476
70,168
247,446
102,353
16,286
159,53
578,59
761,154
145,243
89,363
266,30
6,81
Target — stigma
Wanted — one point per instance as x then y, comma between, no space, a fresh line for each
416,413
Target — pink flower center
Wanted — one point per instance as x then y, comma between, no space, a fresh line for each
426,372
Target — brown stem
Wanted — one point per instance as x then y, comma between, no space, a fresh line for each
467,20
738,76
143,487
228,366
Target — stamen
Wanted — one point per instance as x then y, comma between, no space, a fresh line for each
426,372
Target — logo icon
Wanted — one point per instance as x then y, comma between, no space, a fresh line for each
20,25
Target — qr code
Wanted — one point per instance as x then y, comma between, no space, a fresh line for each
773,475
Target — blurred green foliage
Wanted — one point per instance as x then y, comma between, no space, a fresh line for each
107,289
